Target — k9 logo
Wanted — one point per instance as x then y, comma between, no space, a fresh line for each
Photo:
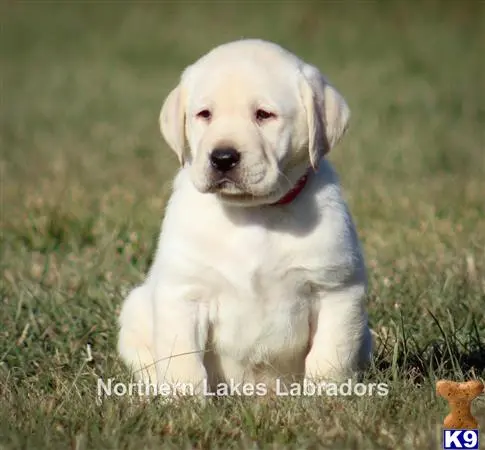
460,439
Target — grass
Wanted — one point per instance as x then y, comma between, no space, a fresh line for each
85,176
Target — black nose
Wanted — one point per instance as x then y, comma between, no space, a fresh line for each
224,159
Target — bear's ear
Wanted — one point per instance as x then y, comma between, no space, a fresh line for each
327,112
446,388
172,122
471,389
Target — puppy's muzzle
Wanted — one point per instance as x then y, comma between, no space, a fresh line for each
224,159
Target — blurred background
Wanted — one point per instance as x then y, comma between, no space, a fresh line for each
82,85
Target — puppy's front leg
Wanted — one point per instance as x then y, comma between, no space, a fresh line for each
341,344
180,335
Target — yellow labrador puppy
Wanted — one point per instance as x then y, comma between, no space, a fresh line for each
258,276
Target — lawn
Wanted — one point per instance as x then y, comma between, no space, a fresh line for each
85,175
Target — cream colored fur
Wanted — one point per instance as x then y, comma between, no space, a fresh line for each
241,289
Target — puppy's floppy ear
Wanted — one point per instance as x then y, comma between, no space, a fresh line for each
327,113
172,122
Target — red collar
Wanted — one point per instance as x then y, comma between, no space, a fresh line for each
293,193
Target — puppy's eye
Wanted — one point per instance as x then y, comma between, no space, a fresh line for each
262,115
204,114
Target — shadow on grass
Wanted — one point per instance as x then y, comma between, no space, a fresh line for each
457,354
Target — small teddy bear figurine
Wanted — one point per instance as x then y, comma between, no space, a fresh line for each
460,397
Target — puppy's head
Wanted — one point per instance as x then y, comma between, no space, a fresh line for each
248,118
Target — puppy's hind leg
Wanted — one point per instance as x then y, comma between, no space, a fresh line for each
135,341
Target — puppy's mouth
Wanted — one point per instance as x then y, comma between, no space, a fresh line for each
226,186
232,191
233,188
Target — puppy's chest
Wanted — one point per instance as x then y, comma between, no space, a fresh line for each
262,323
262,300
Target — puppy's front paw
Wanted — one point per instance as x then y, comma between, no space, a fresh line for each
182,378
